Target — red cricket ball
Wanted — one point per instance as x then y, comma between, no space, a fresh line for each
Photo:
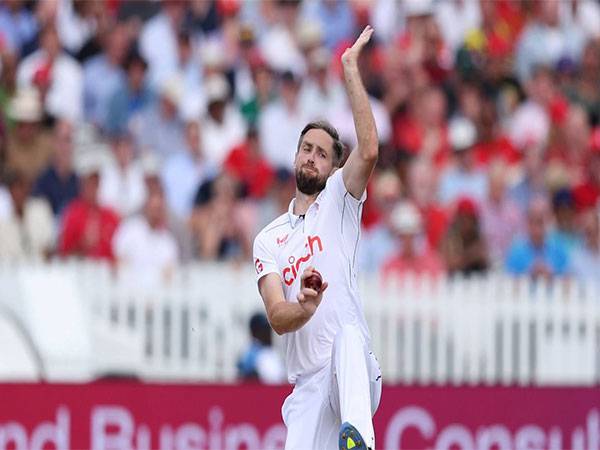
314,281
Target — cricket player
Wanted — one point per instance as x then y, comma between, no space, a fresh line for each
337,378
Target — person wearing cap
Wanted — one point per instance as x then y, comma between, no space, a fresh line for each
463,178
464,247
87,227
534,253
29,146
27,232
260,361
413,254
223,126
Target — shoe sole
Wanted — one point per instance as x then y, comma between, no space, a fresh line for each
350,438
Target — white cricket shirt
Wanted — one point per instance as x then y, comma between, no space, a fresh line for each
326,238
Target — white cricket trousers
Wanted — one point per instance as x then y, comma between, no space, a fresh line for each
346,390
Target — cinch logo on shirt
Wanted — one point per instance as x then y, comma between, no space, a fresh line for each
291,272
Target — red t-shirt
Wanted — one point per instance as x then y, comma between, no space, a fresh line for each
254,172
88,230
427,263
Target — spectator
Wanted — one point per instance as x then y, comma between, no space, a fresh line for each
144,247
185,171
413,255
103,75
58,77
260,361
217,222
18,26
463,178
29,147
158,41
587,193
27,233
122,187
223,126
280,194
535,254
88,227
279,123
335,18
500,216
247,164
565,230
586,258
131,97
531,183
584,88
457,19
59,184
464,247
158,128
262,91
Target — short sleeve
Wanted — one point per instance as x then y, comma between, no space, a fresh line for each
338,190
263,258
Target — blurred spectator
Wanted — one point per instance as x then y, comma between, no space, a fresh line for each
217,222
132,97
584,14
500,216
247,164
457,18
27,233
223,126
87,227
261,92
583,89
59,184
281,192
463,178
586,258
565,230
122,186
535,254
158,128
77,22
335,18
379,241
184,172
464,248
18,25
422,186
545,40
56,75
413,255
280,121
143,245
158,41
188,66
587,193
261,361
29,147
532,183
103,75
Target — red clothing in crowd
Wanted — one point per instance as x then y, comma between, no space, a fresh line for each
409,135
252,170
88,231
427,263
435,220
500,148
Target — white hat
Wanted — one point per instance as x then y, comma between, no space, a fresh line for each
25,106
415,8
212,54
89,162
309,33
216,88
172,89
406,218
462,134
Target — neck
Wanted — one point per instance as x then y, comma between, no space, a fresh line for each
303,202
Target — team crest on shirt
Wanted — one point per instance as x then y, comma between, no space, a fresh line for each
258,266
282,240
290,273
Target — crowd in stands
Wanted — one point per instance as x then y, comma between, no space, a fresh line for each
155,133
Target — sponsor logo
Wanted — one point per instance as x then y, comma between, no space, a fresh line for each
258,266
282,240
290,273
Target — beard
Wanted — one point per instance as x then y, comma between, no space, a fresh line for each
309,182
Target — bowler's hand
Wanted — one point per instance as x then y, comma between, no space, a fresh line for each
350,55
308,298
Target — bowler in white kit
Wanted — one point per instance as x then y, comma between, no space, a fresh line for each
327,344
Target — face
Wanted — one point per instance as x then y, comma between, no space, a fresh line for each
314,162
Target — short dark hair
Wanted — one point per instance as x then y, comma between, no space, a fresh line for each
338,146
